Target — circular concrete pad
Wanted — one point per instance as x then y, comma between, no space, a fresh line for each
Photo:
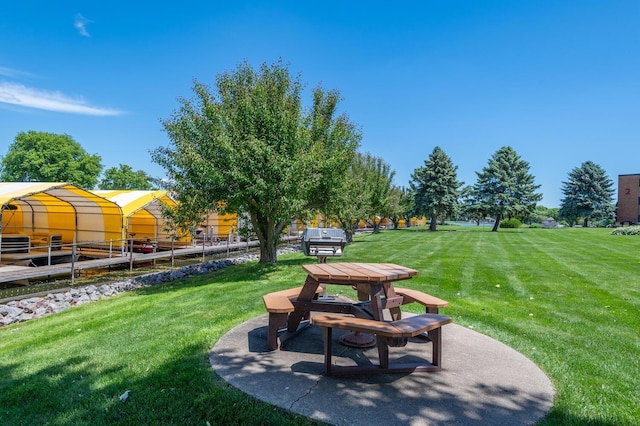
483,382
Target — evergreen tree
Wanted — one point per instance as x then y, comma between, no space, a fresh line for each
436,188
505,188
587,193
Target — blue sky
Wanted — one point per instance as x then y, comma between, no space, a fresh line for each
558,80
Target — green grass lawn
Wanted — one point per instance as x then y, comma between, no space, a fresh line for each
566,298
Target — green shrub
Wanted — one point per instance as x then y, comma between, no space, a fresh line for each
627,230
510,223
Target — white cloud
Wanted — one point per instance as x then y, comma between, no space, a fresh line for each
81,25
17,94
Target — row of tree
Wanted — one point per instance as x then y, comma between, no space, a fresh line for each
505,190
49,157
248,146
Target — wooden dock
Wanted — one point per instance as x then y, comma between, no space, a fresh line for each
21,274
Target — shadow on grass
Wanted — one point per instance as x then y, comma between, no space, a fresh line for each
241,274
184,390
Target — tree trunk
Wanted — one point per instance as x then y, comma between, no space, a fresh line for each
433,223
348,236
268,252
496,225
586,222
269,237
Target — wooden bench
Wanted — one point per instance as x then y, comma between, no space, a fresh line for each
431,303
279,306
389,333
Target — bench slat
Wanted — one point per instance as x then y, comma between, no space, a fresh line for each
277,304
418,324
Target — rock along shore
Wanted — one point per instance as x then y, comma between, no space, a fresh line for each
38,307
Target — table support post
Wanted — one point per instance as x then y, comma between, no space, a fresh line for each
307,294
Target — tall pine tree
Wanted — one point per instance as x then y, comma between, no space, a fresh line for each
435,187
587,194
505,188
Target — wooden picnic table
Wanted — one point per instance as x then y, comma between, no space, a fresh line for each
376,293
373,281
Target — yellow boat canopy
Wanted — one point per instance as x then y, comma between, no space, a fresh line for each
141,212
77,215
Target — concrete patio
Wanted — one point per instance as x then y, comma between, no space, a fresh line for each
483,382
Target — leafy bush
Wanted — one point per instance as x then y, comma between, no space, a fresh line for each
535,225
627,230
510,223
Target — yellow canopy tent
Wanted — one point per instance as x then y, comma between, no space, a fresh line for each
38,209
143,220
142,212
218,226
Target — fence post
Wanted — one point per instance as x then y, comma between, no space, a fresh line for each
131,256
73,259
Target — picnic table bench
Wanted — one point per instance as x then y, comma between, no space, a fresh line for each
431,303
389,333
279,306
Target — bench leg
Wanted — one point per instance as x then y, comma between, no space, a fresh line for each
307,294
436,340
327,336
383,351
275,322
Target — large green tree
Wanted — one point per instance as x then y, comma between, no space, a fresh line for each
401,206
367,193
436,188
588,194
49,157
353,201
505,188
249,147
124,177
379,186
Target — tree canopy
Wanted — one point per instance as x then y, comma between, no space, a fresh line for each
378,187
124,177
588,194
505,188
367,193
352,203
435,187
49,157
248,147
401,206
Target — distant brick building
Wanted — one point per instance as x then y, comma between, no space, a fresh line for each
628,199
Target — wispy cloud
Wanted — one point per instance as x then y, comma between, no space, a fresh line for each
10,72
81,25
18,94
